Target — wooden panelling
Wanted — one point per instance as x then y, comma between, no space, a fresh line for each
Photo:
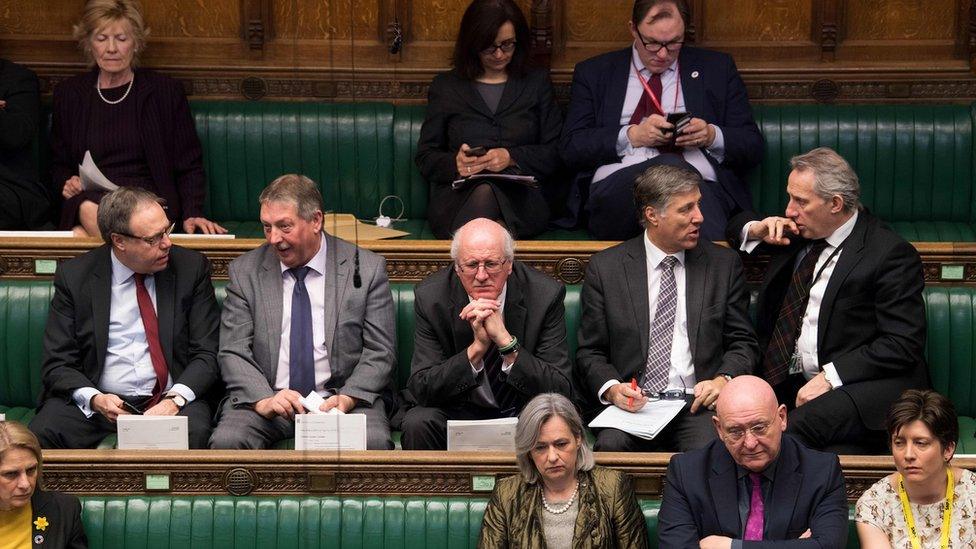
901,20
756,20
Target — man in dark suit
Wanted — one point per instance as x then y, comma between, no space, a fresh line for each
23,200
753,485
616,124
841,316
133,324
304,312
490,335
665,311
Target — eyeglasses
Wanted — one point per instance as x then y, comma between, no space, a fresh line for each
507,46
155,239
670,394
491,267
653,46
757,430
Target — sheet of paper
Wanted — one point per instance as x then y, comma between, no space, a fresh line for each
330,431
92,178
345,226
486,435
3,417
645,423
313,403
153,432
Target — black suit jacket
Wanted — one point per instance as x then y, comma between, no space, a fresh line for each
62,512
24,201
700,499
76,337
440,374
527,122
615,324
872,318
712,90
169,137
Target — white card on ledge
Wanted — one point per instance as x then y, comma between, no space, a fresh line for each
484,435
330,431
153,432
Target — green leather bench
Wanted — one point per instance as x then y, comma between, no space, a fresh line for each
951,349
285,522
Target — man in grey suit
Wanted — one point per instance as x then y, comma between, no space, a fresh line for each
304,312
664,316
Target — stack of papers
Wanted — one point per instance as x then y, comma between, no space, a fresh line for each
485,435
330,431
153,432
527,180
645,423
92,179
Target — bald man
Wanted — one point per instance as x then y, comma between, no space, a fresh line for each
490,335
753,484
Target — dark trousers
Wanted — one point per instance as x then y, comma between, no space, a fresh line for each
613,214
60,424
686,432
425,428
829,422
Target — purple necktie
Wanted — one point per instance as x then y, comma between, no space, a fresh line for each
754,525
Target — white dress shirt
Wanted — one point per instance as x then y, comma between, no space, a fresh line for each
128,369
672,100
315,284
681,372
806,343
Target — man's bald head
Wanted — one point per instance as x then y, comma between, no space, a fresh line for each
483,252
750,422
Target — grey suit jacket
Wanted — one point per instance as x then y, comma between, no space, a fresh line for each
359,325
615,324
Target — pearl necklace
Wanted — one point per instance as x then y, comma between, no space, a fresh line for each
119,100
562,509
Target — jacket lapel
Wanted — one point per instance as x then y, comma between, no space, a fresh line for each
617,89
696,268
100,288
165,316
513,90
515,308
786,488
850,255
460,329
335,290
691,86
635,273
468,92
723,485
269,286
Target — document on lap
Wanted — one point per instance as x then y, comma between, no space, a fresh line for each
92,179
153,432
527,180
484,435
330,431
645,423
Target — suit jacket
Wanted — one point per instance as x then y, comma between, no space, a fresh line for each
62,512
527,122
712,90
441,375
24,202
359,325
700,499
169,137
872,317
76,337
615,324
609,515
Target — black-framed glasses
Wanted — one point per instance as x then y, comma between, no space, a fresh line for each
670,394
155,239
490,266
758,430
653,46
508,46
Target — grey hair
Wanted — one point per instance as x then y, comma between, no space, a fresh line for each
658,184
296,189
832,175
115,210
539,410
508,242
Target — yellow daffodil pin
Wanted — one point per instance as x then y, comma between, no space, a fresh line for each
41,523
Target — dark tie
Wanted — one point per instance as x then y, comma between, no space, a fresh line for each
754,524
505,396
779,352
301,361
662,330
151,325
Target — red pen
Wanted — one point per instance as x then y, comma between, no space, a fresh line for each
633,385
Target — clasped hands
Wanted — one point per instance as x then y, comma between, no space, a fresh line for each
623,396
655,130
111,407
494,160
488,326
287,403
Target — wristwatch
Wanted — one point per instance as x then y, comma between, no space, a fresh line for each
178,399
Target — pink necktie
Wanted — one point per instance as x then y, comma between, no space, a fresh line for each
754,525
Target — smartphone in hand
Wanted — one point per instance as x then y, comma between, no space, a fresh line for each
680,120
131,409
476,151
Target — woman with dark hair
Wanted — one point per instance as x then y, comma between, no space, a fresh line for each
490,114
928,502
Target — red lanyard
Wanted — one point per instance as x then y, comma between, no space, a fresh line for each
647,88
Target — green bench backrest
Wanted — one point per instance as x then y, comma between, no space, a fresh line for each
951,348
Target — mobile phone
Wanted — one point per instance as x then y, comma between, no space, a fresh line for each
131,409
680,120
476,151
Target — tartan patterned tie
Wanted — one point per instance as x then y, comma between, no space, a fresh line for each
662,330
776,360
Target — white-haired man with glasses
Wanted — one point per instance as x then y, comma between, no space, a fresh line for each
133,327
619,122
490,335
754,484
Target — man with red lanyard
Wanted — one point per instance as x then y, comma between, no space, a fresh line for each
617,123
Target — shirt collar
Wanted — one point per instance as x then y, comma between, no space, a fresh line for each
655,256
120,273
317,263
840,235
636,62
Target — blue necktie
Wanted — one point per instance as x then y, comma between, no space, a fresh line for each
301,362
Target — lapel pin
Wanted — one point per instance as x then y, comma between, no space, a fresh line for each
38,539
694,74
